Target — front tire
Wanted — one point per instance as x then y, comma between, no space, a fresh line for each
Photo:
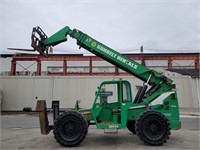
70,128
152,128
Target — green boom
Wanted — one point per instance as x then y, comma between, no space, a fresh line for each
117,59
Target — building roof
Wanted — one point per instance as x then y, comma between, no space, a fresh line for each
128,54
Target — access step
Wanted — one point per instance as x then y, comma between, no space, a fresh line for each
111,131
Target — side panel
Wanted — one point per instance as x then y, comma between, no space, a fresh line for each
169,107
166,103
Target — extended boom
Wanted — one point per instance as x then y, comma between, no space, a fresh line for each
151,77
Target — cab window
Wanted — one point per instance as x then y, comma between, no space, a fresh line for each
126,92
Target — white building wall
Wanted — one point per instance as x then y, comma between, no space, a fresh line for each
5,64
20,92
186,63
156,63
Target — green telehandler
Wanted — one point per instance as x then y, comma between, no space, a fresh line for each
150,115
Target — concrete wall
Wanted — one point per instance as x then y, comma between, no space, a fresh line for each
20,92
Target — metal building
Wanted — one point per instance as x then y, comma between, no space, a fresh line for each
78,64
27,78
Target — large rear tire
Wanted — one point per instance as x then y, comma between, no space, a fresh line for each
152,128
70,128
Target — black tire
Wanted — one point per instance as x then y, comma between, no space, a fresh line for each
131,126
152,128
70,128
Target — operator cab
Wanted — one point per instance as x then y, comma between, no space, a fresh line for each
110,99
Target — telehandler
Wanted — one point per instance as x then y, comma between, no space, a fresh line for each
150,115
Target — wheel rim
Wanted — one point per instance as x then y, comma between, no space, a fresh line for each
153,128
70,130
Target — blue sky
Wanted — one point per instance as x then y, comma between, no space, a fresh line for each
124,25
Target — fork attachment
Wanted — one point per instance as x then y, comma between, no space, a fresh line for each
43,118
37,41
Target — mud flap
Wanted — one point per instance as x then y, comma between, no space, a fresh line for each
43,118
